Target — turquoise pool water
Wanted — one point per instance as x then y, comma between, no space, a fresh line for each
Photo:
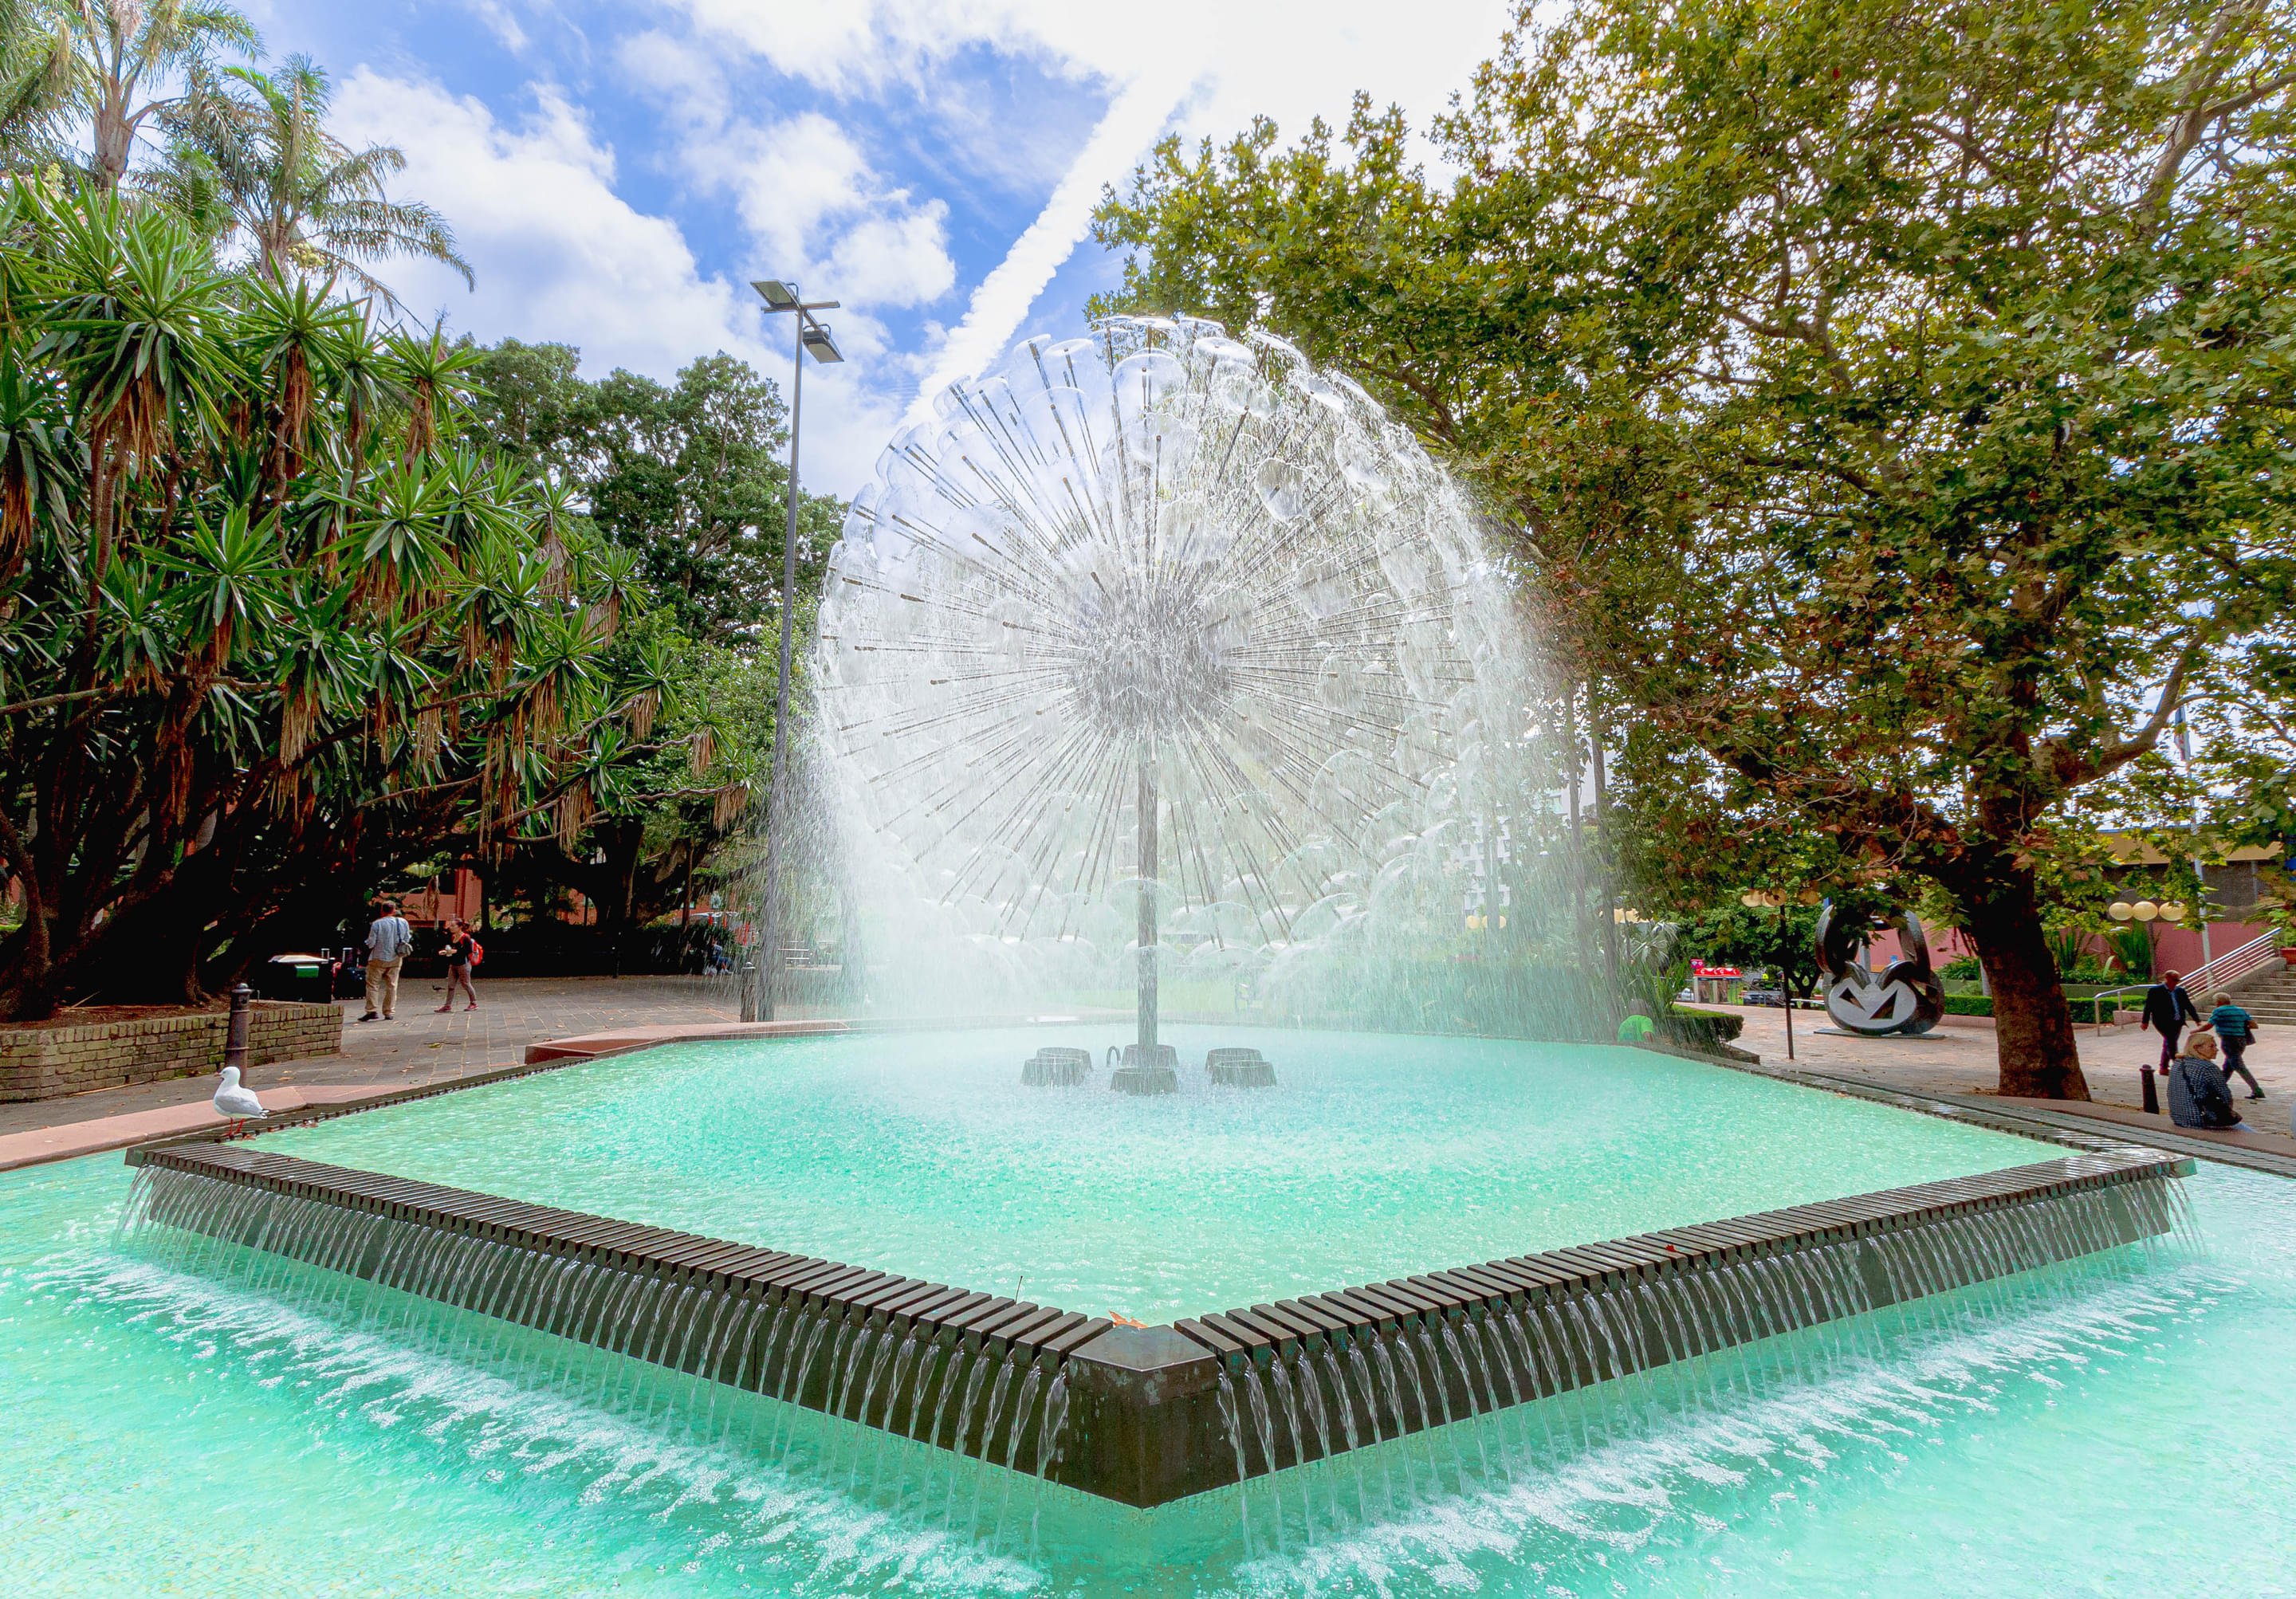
2120,1430
1376,1157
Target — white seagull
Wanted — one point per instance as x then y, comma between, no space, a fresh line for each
240,1104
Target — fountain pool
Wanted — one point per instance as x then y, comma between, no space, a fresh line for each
2116,1424
1380,1156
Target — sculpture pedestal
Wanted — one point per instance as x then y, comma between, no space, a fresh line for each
1145,1079
1159,1073
1239,1069
1055,1067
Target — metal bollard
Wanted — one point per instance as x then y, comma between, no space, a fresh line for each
749,990
235,1048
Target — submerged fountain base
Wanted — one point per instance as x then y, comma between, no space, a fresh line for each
1146,1415
1239,1069
1155,1070
1053,1066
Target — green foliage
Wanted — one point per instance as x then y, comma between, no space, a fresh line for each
680,491
267,631
2132,950
103,71
253,160
1965,970
1968,1005
1700,1029
1750,937
691,477
1949,344
2068,948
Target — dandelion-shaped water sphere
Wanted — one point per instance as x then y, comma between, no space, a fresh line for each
1159,637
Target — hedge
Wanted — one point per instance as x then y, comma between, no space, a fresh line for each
1695,1028
2081,1005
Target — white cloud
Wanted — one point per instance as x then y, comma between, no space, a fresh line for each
557,253
1242,58
895,260
1282,58
561,255
1004,298
499,22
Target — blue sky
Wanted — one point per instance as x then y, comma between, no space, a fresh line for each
618,173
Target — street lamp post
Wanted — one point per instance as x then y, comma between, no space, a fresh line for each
2142,913
1761,899
757,999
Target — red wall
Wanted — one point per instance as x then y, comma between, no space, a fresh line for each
2174,948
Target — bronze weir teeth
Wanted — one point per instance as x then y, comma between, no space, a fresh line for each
1145,1425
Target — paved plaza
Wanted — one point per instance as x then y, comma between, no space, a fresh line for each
1961,1062
419,1047
423,1046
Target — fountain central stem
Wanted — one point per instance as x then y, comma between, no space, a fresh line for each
1147,909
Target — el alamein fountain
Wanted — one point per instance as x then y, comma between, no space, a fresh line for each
1163,633
1156,656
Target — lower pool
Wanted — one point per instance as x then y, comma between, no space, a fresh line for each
2117,1427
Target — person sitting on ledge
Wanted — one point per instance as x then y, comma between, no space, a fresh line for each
2198,1095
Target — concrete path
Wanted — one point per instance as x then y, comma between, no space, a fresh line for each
419,1046
1954,1061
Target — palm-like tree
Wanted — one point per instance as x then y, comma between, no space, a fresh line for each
257,156
111,65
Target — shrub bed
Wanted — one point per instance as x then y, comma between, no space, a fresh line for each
1697,1027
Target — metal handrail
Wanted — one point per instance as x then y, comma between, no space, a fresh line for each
2225,971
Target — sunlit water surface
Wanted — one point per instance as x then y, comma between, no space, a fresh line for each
1375,1157
2120,1427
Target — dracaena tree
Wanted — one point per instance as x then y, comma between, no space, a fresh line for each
264,629
1895,400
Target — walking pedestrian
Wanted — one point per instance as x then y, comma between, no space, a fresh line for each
2235,1029
389,939
2168,1007
462,954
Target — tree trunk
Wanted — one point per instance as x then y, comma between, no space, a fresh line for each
2038,1057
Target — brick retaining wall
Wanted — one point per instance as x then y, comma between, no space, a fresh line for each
47,1062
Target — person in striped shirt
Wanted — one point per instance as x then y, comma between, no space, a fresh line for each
2235,1029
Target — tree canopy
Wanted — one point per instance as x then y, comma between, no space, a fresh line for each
691,476
1894,402
270,623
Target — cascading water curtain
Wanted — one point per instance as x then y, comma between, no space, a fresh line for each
1633,1378
957,1436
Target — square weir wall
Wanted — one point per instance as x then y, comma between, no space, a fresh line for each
1152,1414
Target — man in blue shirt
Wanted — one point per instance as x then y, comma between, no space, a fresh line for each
2235,1029
388,940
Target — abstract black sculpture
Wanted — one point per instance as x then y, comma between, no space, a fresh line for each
1904,998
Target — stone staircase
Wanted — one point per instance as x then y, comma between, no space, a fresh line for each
2268,995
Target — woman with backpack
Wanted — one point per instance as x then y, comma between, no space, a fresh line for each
463,954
